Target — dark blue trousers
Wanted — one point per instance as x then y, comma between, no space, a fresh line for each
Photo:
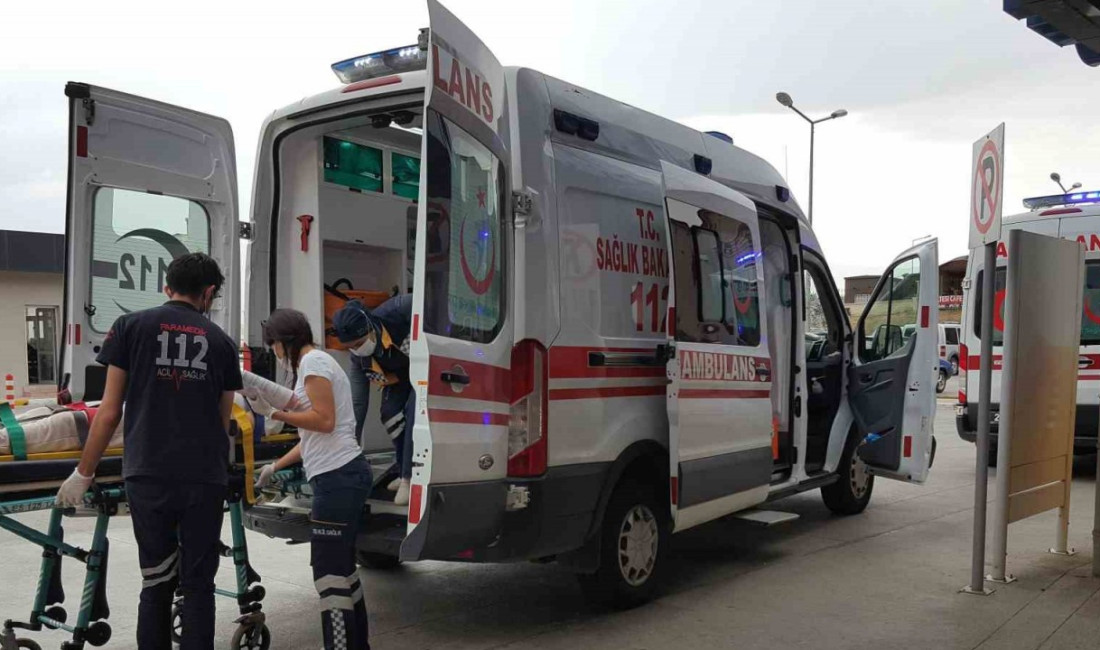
178,530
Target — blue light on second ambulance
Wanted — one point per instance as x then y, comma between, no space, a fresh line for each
380,64
1037,202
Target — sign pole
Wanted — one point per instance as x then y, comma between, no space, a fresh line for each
985,391
986,183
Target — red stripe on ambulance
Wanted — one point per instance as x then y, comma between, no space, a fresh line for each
609,391
567,362
467,417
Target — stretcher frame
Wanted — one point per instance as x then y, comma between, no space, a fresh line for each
107,498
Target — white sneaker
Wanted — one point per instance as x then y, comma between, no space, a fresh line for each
402,496
394,484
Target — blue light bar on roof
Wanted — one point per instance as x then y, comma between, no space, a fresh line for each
380,64
1072,198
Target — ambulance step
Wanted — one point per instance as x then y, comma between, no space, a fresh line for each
766,518
382,507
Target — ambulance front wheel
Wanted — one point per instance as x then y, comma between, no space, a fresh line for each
634,541
851,492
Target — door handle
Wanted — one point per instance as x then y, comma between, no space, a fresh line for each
866,378
763,373
454,377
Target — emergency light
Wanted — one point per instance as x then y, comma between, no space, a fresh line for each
1072,198
380,64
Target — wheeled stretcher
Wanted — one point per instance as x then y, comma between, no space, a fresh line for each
29,482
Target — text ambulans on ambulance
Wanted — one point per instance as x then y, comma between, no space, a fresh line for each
1070,216
610,338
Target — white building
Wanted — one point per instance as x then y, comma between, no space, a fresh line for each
32,267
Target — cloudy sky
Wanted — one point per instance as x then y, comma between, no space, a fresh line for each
921,80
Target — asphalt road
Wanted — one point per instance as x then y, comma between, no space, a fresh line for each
886,578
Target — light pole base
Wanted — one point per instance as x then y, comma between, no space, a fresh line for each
976,592
1007,580
1068,552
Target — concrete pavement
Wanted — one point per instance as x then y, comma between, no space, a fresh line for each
887,578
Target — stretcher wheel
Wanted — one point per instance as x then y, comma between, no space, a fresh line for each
177,621
27,644
99,633
254,636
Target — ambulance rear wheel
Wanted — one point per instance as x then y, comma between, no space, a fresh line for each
377,561
852,491
634,541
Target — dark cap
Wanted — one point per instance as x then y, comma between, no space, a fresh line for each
352,322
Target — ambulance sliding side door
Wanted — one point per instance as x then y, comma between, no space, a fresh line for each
891,380
148,182
719,406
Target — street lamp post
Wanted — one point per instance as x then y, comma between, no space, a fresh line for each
785,99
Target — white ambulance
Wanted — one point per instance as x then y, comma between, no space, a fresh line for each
1075,215
609,339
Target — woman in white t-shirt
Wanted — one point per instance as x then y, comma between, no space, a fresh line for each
334,465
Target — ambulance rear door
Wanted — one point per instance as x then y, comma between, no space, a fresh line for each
719,407
461,344
891,378
148,182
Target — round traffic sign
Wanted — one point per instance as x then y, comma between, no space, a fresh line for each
987,177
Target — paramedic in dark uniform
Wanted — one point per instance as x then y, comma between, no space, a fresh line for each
378,340
176,372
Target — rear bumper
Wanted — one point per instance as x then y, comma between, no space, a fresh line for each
1086,426
469,521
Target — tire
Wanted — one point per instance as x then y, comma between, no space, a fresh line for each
954,366
377,561
852,491
941,382
251,637
634,542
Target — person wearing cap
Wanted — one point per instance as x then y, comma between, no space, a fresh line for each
378,340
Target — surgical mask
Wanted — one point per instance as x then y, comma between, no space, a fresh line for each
367,349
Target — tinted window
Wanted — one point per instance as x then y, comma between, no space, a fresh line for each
890,321
353,165
135,237
463,283
406,176
717,292
951,334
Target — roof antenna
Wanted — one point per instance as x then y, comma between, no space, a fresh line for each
1054,176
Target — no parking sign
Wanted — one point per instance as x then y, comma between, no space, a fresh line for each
986,184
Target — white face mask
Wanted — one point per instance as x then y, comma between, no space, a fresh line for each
366,349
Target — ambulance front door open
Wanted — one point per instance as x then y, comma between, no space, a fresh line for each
891,377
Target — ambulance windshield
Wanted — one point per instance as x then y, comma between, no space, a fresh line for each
1090,307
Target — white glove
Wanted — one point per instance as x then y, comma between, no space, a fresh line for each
267,475
72,490
261,406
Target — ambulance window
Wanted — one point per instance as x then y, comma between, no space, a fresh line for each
135,237
999,281
709,253
889,322
714,260
406,176
951,335
464,280
353,165
1090,309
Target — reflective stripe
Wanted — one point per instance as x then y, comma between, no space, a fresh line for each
337,602
163,566
152,582
325,583
397,418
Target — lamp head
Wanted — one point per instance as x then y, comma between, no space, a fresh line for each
784,99
839,113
